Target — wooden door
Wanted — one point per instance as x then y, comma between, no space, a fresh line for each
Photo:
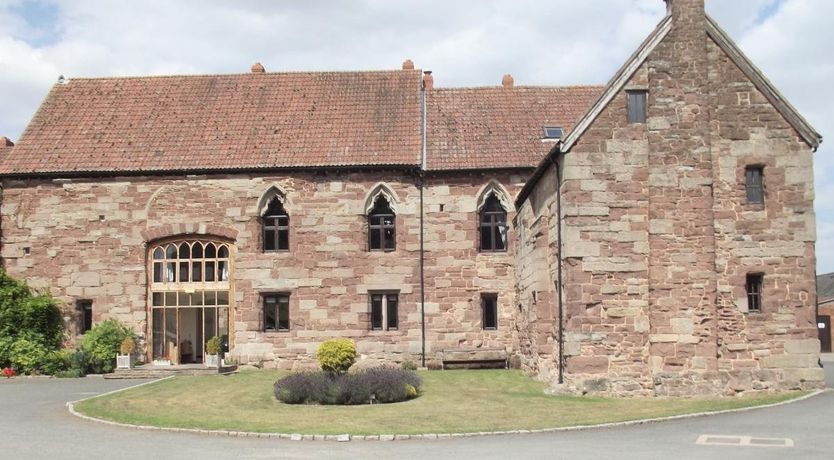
824,328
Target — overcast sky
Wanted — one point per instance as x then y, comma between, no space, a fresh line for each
465,43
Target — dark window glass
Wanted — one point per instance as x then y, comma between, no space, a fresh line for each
754,292
85,310
755,184
489,304
276,224
196,271
553,132
392,321
637,106
183,272
283,313
493,224
382,231
157,272
273,314
376,311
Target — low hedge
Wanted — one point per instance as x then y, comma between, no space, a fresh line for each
375,385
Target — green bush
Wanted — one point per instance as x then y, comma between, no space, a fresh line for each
101,344
409,365
336,355
213,346
385,384
31,327
70,374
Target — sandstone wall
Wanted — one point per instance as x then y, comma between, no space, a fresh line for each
86,239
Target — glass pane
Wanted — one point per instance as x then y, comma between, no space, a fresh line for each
269,240
222,270
171,252
158,299
158,336
196,271
223,326
158,253
183,272
223,252
486,238
211,251
391,310
210,322
197,298
283,221
211,298
500,238
376,239
171,299
284,240
171,348
490,312
222,297
388,220
184,250
184,299
210,270
284,313
390,238
197,251
157,272
376,311
170,272
270,318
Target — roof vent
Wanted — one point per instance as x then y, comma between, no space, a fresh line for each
408,64
6,142
428,80
507,82
258,68
553,132
62,80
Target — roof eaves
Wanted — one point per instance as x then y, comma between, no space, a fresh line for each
540,170
619,81
791,115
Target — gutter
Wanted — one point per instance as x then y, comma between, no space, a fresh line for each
420,184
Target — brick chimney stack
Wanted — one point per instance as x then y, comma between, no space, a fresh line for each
507,82
408,64
428,80
258,68
686,10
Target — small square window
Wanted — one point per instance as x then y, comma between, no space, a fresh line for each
489,311
754,176
754,292
276,312
637,106
553,132
385,311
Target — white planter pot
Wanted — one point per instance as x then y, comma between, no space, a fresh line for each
124,361
212,360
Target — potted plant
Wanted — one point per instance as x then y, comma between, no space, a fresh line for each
124,360
213,348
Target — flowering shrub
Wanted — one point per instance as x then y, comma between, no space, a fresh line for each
8,372
374,385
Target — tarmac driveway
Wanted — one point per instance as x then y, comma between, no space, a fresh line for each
35,424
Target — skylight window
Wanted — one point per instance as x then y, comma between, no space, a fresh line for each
553,132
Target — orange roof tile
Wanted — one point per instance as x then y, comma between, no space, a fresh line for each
220,122
497,127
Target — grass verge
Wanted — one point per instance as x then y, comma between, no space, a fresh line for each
452,402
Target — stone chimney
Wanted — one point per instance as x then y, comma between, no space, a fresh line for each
5,142
408,64
686,10
507,82
258,68
428,80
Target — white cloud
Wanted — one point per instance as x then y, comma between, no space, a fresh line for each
465,42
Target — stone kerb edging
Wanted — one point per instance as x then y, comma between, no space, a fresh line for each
399,437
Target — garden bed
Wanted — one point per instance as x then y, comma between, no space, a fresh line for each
452,402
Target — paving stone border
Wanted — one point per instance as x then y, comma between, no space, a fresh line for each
403,437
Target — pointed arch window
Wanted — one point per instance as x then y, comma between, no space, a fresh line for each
493,225
382,231
276,226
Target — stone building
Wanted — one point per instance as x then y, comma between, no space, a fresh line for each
603,237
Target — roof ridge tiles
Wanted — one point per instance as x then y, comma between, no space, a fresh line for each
70,79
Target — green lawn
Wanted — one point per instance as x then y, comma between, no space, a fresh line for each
452,401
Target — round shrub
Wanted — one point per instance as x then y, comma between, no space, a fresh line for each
213,346
128,346
336,355
28,353
102,343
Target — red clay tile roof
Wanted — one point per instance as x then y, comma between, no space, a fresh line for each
496,127
223,122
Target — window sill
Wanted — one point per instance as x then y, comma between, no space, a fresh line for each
278,251
276,331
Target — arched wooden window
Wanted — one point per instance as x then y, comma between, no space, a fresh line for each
276,225
493,225
382,232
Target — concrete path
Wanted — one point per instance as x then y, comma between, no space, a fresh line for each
34,424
